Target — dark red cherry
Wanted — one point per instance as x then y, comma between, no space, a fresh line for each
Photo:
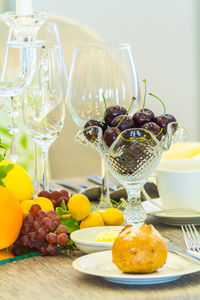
154,128
110,135
126,123
164,120
141,117
112,112
92,133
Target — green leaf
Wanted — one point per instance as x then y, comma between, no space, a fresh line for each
60,211
4,171
63,206
24,141
71,224
5,131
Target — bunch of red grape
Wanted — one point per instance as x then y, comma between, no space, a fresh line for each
56,197
41,232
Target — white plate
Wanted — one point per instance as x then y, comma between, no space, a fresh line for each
175,217
100,264
84,239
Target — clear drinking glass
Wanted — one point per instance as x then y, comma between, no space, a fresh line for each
131,159
99,68
43,104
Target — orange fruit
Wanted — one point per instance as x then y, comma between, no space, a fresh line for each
11,218
5,255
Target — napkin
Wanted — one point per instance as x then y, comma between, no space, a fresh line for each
183,150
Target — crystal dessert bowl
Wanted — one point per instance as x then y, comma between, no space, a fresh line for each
131,159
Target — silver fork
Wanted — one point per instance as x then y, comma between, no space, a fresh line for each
191,237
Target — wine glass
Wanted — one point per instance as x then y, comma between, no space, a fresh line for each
43,103
49,34
101,68
132,158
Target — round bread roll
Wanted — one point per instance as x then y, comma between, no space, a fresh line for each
139,250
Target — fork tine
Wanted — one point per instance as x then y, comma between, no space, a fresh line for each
197,236
194,239
187,242
191,237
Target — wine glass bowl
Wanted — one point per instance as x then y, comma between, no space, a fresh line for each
132,158
101,69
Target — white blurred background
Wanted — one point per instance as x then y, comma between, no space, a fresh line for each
164,37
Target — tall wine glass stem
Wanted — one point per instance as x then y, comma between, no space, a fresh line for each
36,175
45,152
105,196
134,212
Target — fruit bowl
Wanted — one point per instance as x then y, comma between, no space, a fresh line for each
132,158
84,239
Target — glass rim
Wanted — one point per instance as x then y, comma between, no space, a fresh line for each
103,45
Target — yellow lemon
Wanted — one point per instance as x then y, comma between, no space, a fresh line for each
18,182
93,220
113,217
79,206
26,206
44,203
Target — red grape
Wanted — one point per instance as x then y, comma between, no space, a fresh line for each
36,224
29,219
17,251
61,229
54,203
51,238
54,195
44,194
39,244
26,228
41,214
52,249
34,209
62,238
52,215
24,240
64,193
41,233
60,199
32,244
32,235
43,251
46,222
54,225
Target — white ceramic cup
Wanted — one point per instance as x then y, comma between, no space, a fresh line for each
178,183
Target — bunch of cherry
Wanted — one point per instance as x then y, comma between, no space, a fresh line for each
56,197
41,232
116,120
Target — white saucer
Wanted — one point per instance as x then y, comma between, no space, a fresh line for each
100,264
172,216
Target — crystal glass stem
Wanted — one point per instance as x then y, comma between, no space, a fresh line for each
134,212
36,170
14,129
45,153
105,195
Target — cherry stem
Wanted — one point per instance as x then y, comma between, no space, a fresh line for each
160,101
145,93
133,99
104,100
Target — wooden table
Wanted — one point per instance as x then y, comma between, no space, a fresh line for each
53,278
